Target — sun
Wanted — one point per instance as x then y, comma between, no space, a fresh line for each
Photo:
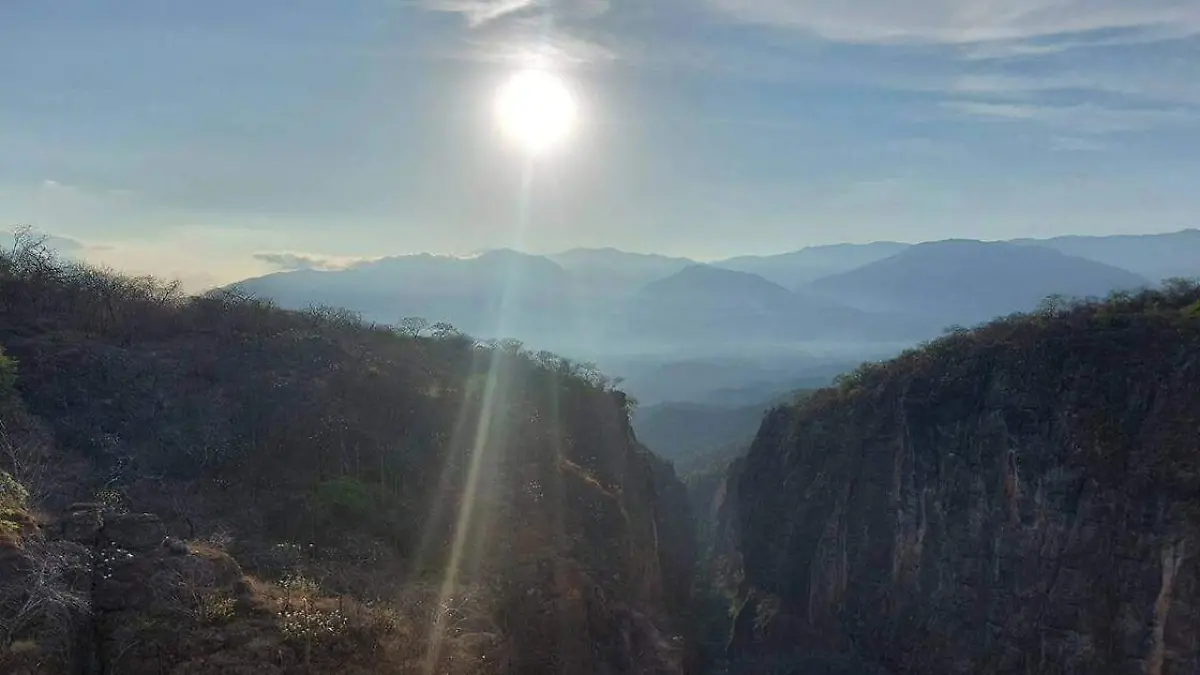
536,110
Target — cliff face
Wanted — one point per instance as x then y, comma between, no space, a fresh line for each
1022,498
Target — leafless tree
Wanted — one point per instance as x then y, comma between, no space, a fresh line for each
442,330
25,456
42,598
413,326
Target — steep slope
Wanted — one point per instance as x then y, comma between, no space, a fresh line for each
1021,498
1154,256
794,269
965,282
489,511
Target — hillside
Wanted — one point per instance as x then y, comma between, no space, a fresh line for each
1021,498
215,485
965,282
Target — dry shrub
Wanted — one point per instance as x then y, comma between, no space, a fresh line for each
216,608
40,600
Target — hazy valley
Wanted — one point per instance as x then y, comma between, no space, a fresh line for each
735,333
599,337
213,483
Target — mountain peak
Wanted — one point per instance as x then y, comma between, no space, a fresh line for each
718,278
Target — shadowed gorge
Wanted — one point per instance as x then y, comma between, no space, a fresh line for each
600,337
212,484
1019,498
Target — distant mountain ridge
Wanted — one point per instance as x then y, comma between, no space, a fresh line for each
1156,257
489,295
594,303
808,264
966,281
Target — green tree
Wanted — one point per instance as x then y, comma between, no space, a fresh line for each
13,495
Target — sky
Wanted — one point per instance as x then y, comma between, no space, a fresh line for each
212,141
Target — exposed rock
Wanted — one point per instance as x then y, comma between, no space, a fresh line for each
1021,499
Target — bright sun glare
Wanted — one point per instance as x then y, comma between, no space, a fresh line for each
536,110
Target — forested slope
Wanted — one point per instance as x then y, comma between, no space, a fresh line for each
310,493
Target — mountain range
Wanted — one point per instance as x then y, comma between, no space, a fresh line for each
966,282
605,303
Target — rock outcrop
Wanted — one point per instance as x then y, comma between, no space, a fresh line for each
1022,498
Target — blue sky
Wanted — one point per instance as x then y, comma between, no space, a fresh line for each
187,138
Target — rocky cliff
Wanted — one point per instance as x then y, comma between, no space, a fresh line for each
1019,498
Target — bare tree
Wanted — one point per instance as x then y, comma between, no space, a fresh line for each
413,326
512,346
42,598
442,330
26,457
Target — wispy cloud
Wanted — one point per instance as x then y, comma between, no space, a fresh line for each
922,147
525,32
535,48
1077,144
480,12
287,260
1151,84
65,246
1086,118
1038,47
964,21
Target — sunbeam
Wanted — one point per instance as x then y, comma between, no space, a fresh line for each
490,434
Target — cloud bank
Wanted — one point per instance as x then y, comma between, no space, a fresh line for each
288,261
